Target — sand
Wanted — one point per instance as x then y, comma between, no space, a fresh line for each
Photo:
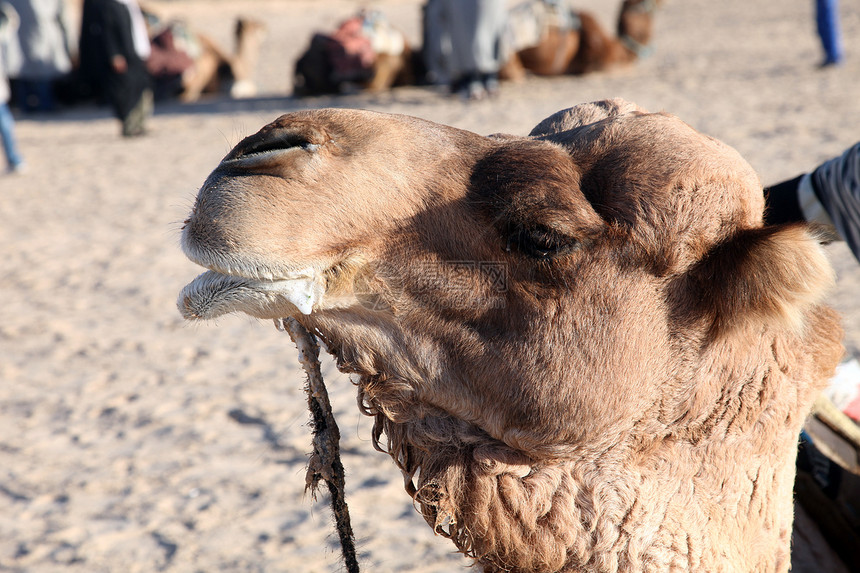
131,440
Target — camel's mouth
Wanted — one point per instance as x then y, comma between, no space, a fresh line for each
213,294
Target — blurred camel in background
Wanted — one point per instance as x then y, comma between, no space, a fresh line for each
544,37
187,63
550,38
366,52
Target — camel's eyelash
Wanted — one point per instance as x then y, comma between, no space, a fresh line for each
540,242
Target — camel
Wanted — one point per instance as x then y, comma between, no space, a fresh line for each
551,38
216,70
366,52
191,64
582,347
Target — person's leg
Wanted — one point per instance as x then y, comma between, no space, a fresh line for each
492,21
134,123
827,21
489,29
7,134
436,45
19,94
44,90
462,19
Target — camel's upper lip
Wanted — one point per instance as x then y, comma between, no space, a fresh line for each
253,268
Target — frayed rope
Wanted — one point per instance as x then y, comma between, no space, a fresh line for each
324,463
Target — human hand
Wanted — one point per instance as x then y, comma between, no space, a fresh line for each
119,64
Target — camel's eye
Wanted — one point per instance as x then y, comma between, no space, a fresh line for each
278,141
541,242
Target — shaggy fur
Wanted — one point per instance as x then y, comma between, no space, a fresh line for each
582,347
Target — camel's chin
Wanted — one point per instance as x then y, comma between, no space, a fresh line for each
212,294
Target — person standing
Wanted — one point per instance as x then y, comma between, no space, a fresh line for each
8,29
466,36
114,46
46,48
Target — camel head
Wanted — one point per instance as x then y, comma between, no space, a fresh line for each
549,317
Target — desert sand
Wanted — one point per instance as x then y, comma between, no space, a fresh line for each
132,441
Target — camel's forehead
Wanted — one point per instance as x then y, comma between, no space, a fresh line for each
650,135
623,130
361,124
666,143
324,117
655,148
646,169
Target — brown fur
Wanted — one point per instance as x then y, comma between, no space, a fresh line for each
589,48
626,398
550,57
392,70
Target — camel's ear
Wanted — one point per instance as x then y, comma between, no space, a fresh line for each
766,275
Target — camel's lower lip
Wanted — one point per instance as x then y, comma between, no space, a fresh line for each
213,294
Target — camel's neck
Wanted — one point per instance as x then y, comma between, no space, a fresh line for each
703,507
249,38
701,481
692,501
676,511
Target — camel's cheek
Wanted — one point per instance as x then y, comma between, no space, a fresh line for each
602,360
